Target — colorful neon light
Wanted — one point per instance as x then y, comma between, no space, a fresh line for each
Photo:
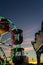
15,28
2,17
14,34
12,56
9,21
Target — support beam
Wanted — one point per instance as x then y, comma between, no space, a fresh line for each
38,58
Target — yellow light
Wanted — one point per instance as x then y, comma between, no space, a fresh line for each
11,63
33,62
5,33
2,31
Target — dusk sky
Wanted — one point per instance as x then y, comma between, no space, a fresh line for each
26,15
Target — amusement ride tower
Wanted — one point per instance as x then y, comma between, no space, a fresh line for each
38,43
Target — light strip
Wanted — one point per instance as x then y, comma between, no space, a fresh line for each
5,33
6,40
4,46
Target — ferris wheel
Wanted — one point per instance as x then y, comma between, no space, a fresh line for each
9,33
4,37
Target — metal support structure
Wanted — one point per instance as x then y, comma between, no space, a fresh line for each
38,58
38,44
17,38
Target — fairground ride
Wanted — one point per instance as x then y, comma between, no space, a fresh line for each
17,39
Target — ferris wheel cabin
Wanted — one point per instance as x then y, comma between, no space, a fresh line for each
17,36
4,26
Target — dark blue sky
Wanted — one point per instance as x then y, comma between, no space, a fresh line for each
26,14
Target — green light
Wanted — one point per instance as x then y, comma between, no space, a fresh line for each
5,64
15,28
18,37
16,48
9,21
10,59
2,17
12,56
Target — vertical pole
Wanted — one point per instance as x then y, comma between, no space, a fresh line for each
38,58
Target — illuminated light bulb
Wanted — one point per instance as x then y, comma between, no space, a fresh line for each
2,31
